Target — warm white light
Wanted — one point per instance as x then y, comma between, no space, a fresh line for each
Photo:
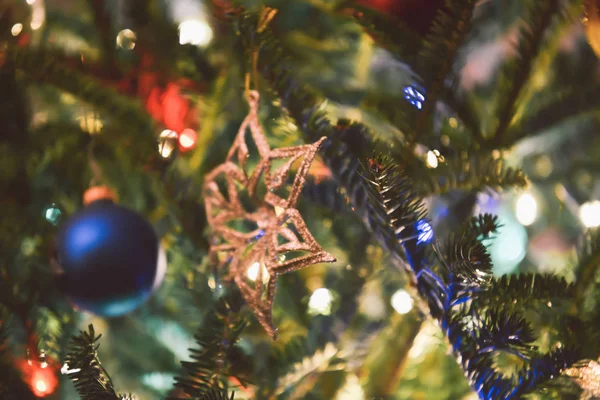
589,213
16,29
41,386
90,123
30,2
255,269
195,32
38,14
126,39
186,141
402,302
432,159
526,209
166,143
320,302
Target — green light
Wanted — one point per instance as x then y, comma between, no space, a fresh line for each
53,214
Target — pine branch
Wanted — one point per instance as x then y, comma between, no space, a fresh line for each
91,380
524,290
437,55
467,258
567,104
54,68
588,265
483,226
388,31
476,173
217,395
212,365
539,17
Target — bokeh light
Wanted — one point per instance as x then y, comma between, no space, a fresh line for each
589,214
126,39
16,29
52,214
195,32
526,209
255,269
320,302
432,158
402,302
187,140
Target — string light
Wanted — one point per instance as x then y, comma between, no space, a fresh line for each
195,32
166,143
16,29
589,214
424,231
526,209
187,140
432,158
38,14
414,96
320,302
402,302
52,214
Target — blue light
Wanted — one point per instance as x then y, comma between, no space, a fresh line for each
425,231
414,96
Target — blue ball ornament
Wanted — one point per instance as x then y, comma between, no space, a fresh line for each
111,258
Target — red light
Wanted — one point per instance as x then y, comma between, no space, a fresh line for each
43,382
187,140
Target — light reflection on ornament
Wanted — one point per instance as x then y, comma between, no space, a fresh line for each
320,302
255,269
187,140
16,29
589,214
526,209
195,32
52,214
414,96
126,39
402,302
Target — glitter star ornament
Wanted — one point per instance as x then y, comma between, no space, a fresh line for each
257,233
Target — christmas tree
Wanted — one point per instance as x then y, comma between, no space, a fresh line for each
299,199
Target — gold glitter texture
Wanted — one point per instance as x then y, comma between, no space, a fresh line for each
274,231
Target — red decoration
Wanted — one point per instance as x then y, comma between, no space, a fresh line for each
187,140
40,376
417,14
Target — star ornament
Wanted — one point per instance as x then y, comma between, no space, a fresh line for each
257,233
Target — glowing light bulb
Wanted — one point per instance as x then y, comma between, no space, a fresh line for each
402,302
526,209
589,214
195,32
30,2
187,140
432,159
255,269
320,302
414,96
41,386
16,29
166,143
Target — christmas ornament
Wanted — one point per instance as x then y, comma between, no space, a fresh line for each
591,21
40,374
259,236
416,14
109,255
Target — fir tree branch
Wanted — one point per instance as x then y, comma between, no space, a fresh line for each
91,380
212,365
436,58
588,265
518,71
475,173
567,104
467,258
53,68
390,32
483,225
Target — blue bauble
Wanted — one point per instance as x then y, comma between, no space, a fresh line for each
111,258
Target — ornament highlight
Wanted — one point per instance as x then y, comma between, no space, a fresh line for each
110,258
244,237
53,214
